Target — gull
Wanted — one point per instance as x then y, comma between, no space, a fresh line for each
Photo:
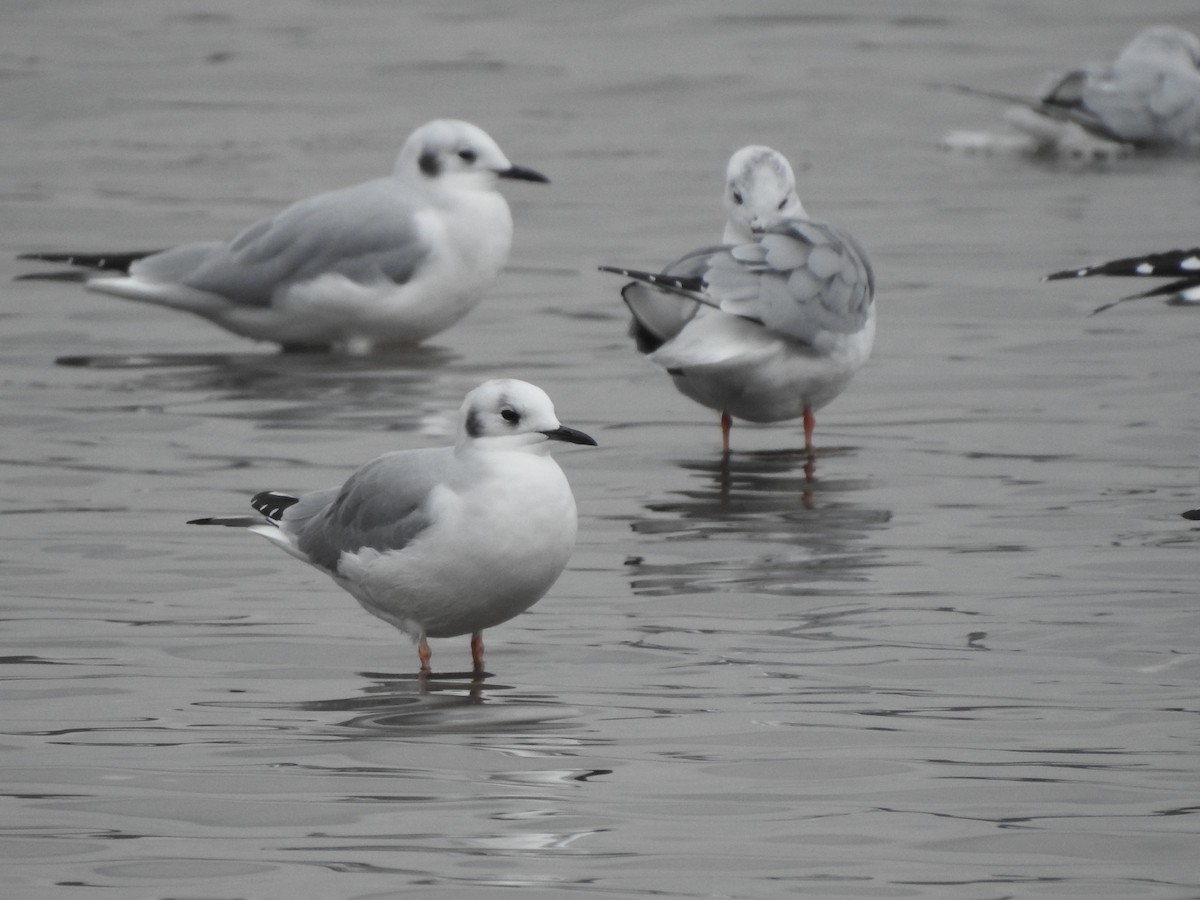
389,261
444,541
772,324
1181,265
1149,96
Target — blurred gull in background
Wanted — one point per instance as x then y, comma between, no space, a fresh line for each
1148,97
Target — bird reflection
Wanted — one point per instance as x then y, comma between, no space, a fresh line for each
443,702
760,522
403,704
316,391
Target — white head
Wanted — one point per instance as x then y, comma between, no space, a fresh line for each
760,192
450,150
514,414
1165,44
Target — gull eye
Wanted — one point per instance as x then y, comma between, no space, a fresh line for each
510,415
782,203
737,197
468,156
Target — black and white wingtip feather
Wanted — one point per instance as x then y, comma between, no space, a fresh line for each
273,503
1182,265
691,287
103,262
227,521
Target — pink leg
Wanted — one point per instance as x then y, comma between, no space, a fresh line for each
425,654
477,650
726,424
810,422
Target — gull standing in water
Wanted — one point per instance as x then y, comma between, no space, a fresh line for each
769,326
390,261
443,541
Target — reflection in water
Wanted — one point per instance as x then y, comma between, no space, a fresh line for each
782,526
316,390
409,705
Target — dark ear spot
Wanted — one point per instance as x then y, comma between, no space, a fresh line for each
472,425
429,164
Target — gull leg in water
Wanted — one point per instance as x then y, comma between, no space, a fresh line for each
477,650
442,541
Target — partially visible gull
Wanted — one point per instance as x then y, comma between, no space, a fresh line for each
1181,265
1148,97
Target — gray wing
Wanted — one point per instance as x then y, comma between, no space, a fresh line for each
366,233
1150,94
1146,105
382,506
798,279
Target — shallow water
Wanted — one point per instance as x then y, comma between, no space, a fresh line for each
955,657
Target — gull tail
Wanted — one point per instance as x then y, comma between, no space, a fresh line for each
85,262
656,316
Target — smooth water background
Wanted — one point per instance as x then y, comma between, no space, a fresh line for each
958,659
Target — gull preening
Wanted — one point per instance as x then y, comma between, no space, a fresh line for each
1149,96
394,260
1183,266
772,324
444,541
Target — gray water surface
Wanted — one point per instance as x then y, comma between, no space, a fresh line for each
955,656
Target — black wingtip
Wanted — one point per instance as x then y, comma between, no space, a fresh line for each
226,521
1066,273
1193,514
108,262
273,503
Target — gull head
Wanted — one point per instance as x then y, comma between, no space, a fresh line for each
1164,44
511,414
450,151
760,193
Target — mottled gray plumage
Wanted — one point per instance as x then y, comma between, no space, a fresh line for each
799,279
